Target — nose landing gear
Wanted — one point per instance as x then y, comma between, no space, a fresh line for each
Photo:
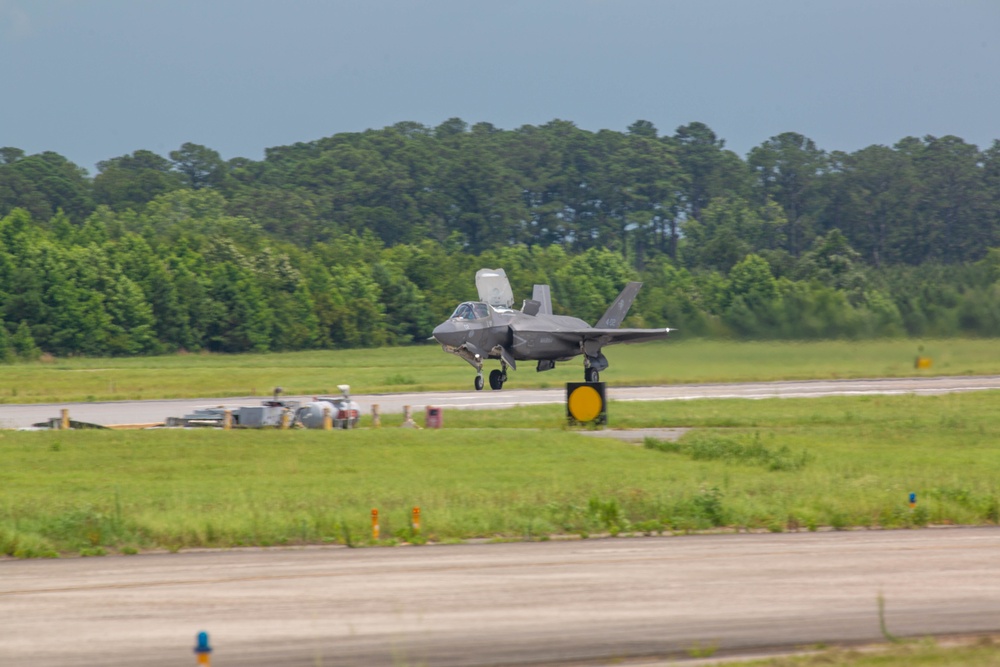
479,371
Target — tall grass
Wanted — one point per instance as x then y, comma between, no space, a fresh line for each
779,464
426,367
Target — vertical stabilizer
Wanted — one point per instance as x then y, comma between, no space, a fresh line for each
615,315
541,294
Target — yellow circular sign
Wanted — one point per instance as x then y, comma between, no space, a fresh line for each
585,404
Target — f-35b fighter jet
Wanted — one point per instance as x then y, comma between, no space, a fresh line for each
491,329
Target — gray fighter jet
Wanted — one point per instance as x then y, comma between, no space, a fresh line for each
491,329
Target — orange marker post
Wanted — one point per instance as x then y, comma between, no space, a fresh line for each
375,530
202,650
416,519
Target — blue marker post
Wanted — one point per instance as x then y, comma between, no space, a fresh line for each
913,501
203,650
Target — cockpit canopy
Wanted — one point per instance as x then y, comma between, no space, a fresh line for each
494,288
471,310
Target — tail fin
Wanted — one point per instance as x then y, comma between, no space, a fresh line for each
615,314
541,294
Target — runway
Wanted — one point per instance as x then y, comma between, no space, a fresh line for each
575,602
119,412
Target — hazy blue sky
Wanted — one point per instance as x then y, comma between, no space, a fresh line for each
94,79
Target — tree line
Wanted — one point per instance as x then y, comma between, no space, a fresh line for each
366,239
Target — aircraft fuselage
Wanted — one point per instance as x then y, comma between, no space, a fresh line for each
491,329
527,337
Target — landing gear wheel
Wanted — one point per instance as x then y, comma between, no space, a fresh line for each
496,380
479,383
591,375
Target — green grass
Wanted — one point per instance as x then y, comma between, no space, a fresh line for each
776,464
921,653
426,367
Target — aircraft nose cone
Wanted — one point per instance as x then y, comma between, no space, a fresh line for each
447,333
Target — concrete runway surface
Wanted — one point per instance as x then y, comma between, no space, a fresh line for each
125,412
595,601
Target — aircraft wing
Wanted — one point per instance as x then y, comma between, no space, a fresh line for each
611,336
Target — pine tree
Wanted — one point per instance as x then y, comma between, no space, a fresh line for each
24,343
6,350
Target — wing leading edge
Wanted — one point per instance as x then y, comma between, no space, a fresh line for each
606,336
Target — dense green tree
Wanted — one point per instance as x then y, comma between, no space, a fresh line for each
752,281
10,155
991,195
43,184
199,310
653,221
587,284
407,318
23,343
243,321
812,310
953,199
7,353
288,214
873,196
729,229
670,297
788,168
711,171
485,203
131,329
131,181
200,166
359,319
833,262
296,324
643,128
371,237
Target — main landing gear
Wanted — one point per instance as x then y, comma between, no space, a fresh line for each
497,378
594,362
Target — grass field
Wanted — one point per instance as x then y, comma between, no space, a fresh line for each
777,464
922,653
426,367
